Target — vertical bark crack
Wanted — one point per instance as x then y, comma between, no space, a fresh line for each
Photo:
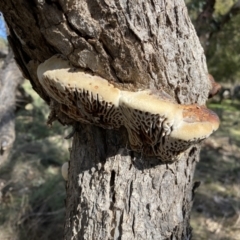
130,195
133,222
112,191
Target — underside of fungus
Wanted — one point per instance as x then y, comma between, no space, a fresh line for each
156,125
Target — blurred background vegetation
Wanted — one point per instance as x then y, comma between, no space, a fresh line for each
32,191
217,24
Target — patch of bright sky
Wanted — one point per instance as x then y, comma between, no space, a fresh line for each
2,28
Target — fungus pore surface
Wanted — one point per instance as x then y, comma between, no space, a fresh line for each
156,125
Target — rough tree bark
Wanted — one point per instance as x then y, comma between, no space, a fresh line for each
10,79
113,192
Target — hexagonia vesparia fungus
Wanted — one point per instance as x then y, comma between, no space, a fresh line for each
156,125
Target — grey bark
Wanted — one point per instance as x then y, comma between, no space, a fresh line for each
113,192
10,79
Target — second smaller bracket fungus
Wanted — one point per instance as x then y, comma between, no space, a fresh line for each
64,170
156,125
84,97
215,87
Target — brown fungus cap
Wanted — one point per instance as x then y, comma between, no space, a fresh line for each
197,123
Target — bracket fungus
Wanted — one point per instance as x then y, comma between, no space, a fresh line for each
64,171
215,87
156,125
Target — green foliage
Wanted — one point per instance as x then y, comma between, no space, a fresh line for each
194,8
222,47
222,7
223,52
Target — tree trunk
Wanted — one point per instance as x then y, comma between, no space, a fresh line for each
10,79
112,191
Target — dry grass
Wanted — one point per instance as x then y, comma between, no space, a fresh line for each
33,191
216,210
